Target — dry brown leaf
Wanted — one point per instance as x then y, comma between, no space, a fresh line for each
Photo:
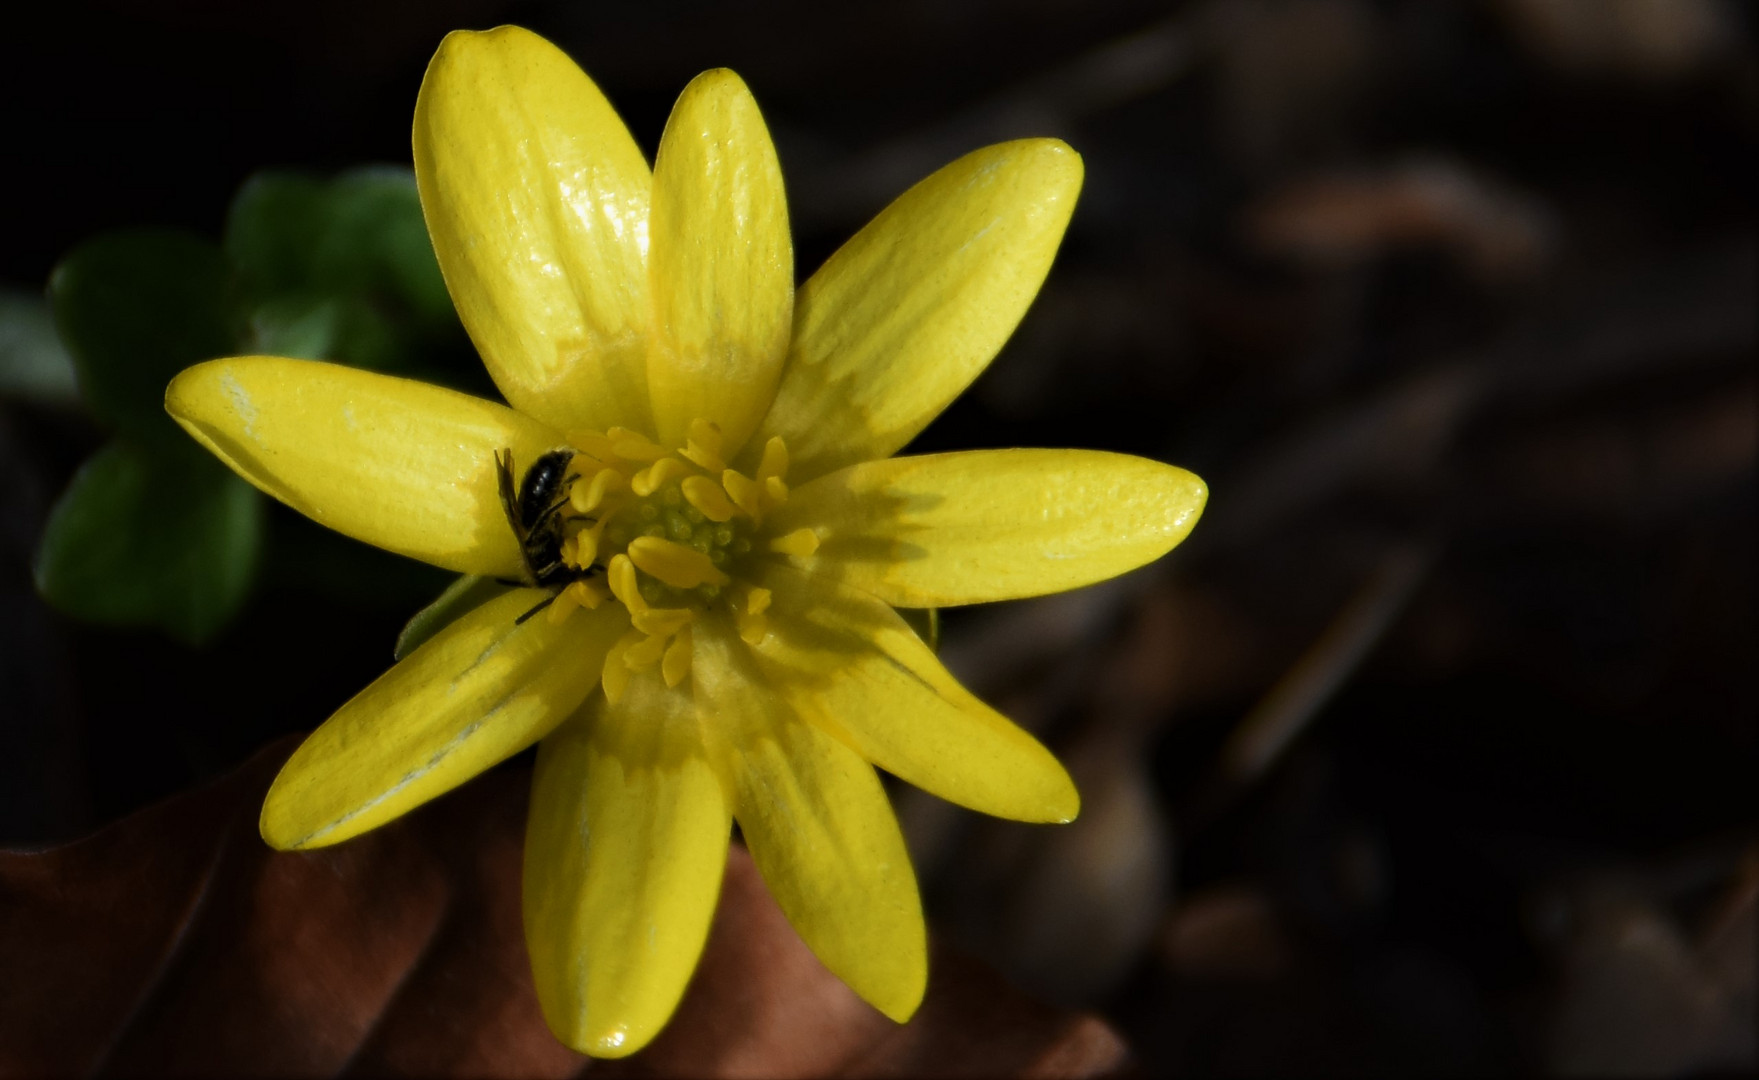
176,942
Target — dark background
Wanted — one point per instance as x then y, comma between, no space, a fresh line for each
1433,748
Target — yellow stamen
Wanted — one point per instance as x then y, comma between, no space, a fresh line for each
615,676
745,492
752,628
704,445
673,563
662,622
585,498
560,608
800,542
581,549
775,459
624,586
591,443
777,489
757,601
644,653
707,496
589,594
634,446
676,663
652,478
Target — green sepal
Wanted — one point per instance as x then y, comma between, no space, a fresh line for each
460,598
34,365
149,536
134,309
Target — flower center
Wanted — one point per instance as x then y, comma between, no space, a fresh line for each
664,533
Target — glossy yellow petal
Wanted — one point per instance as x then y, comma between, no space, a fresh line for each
478,692
819,828
400,464
850,664
624,851
537,202
948,529
900,320
722,268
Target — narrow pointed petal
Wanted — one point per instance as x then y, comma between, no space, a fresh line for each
624,851
900,320
722,268
400,464
948,529
480,691
820,831
536,199
850,664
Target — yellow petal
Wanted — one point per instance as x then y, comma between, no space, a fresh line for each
948,529
536,199
624,851
399,464
900,320
850,664
722,268
819,828
480,691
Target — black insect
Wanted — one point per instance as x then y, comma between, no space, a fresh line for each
534,510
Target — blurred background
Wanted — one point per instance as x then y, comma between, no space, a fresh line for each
1433,748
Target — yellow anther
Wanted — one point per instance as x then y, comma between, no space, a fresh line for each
662,622
587,497
581,549
745,492
589,594
645,653
676,663
707,496
752,628
757,601
560,608
704,445
591,443
775,459
615,675
624,586
634,446
654,477
801,542
777,489
673,563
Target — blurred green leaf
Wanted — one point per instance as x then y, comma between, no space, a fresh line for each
360,237
34,365
461,597
272,228
148,536
134,309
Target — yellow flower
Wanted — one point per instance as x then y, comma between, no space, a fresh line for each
729,541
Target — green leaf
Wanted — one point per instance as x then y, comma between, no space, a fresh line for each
134,309
360,235
34,365
379,240
460,598
148,537
272,228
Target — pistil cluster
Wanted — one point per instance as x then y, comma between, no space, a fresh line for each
669,529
